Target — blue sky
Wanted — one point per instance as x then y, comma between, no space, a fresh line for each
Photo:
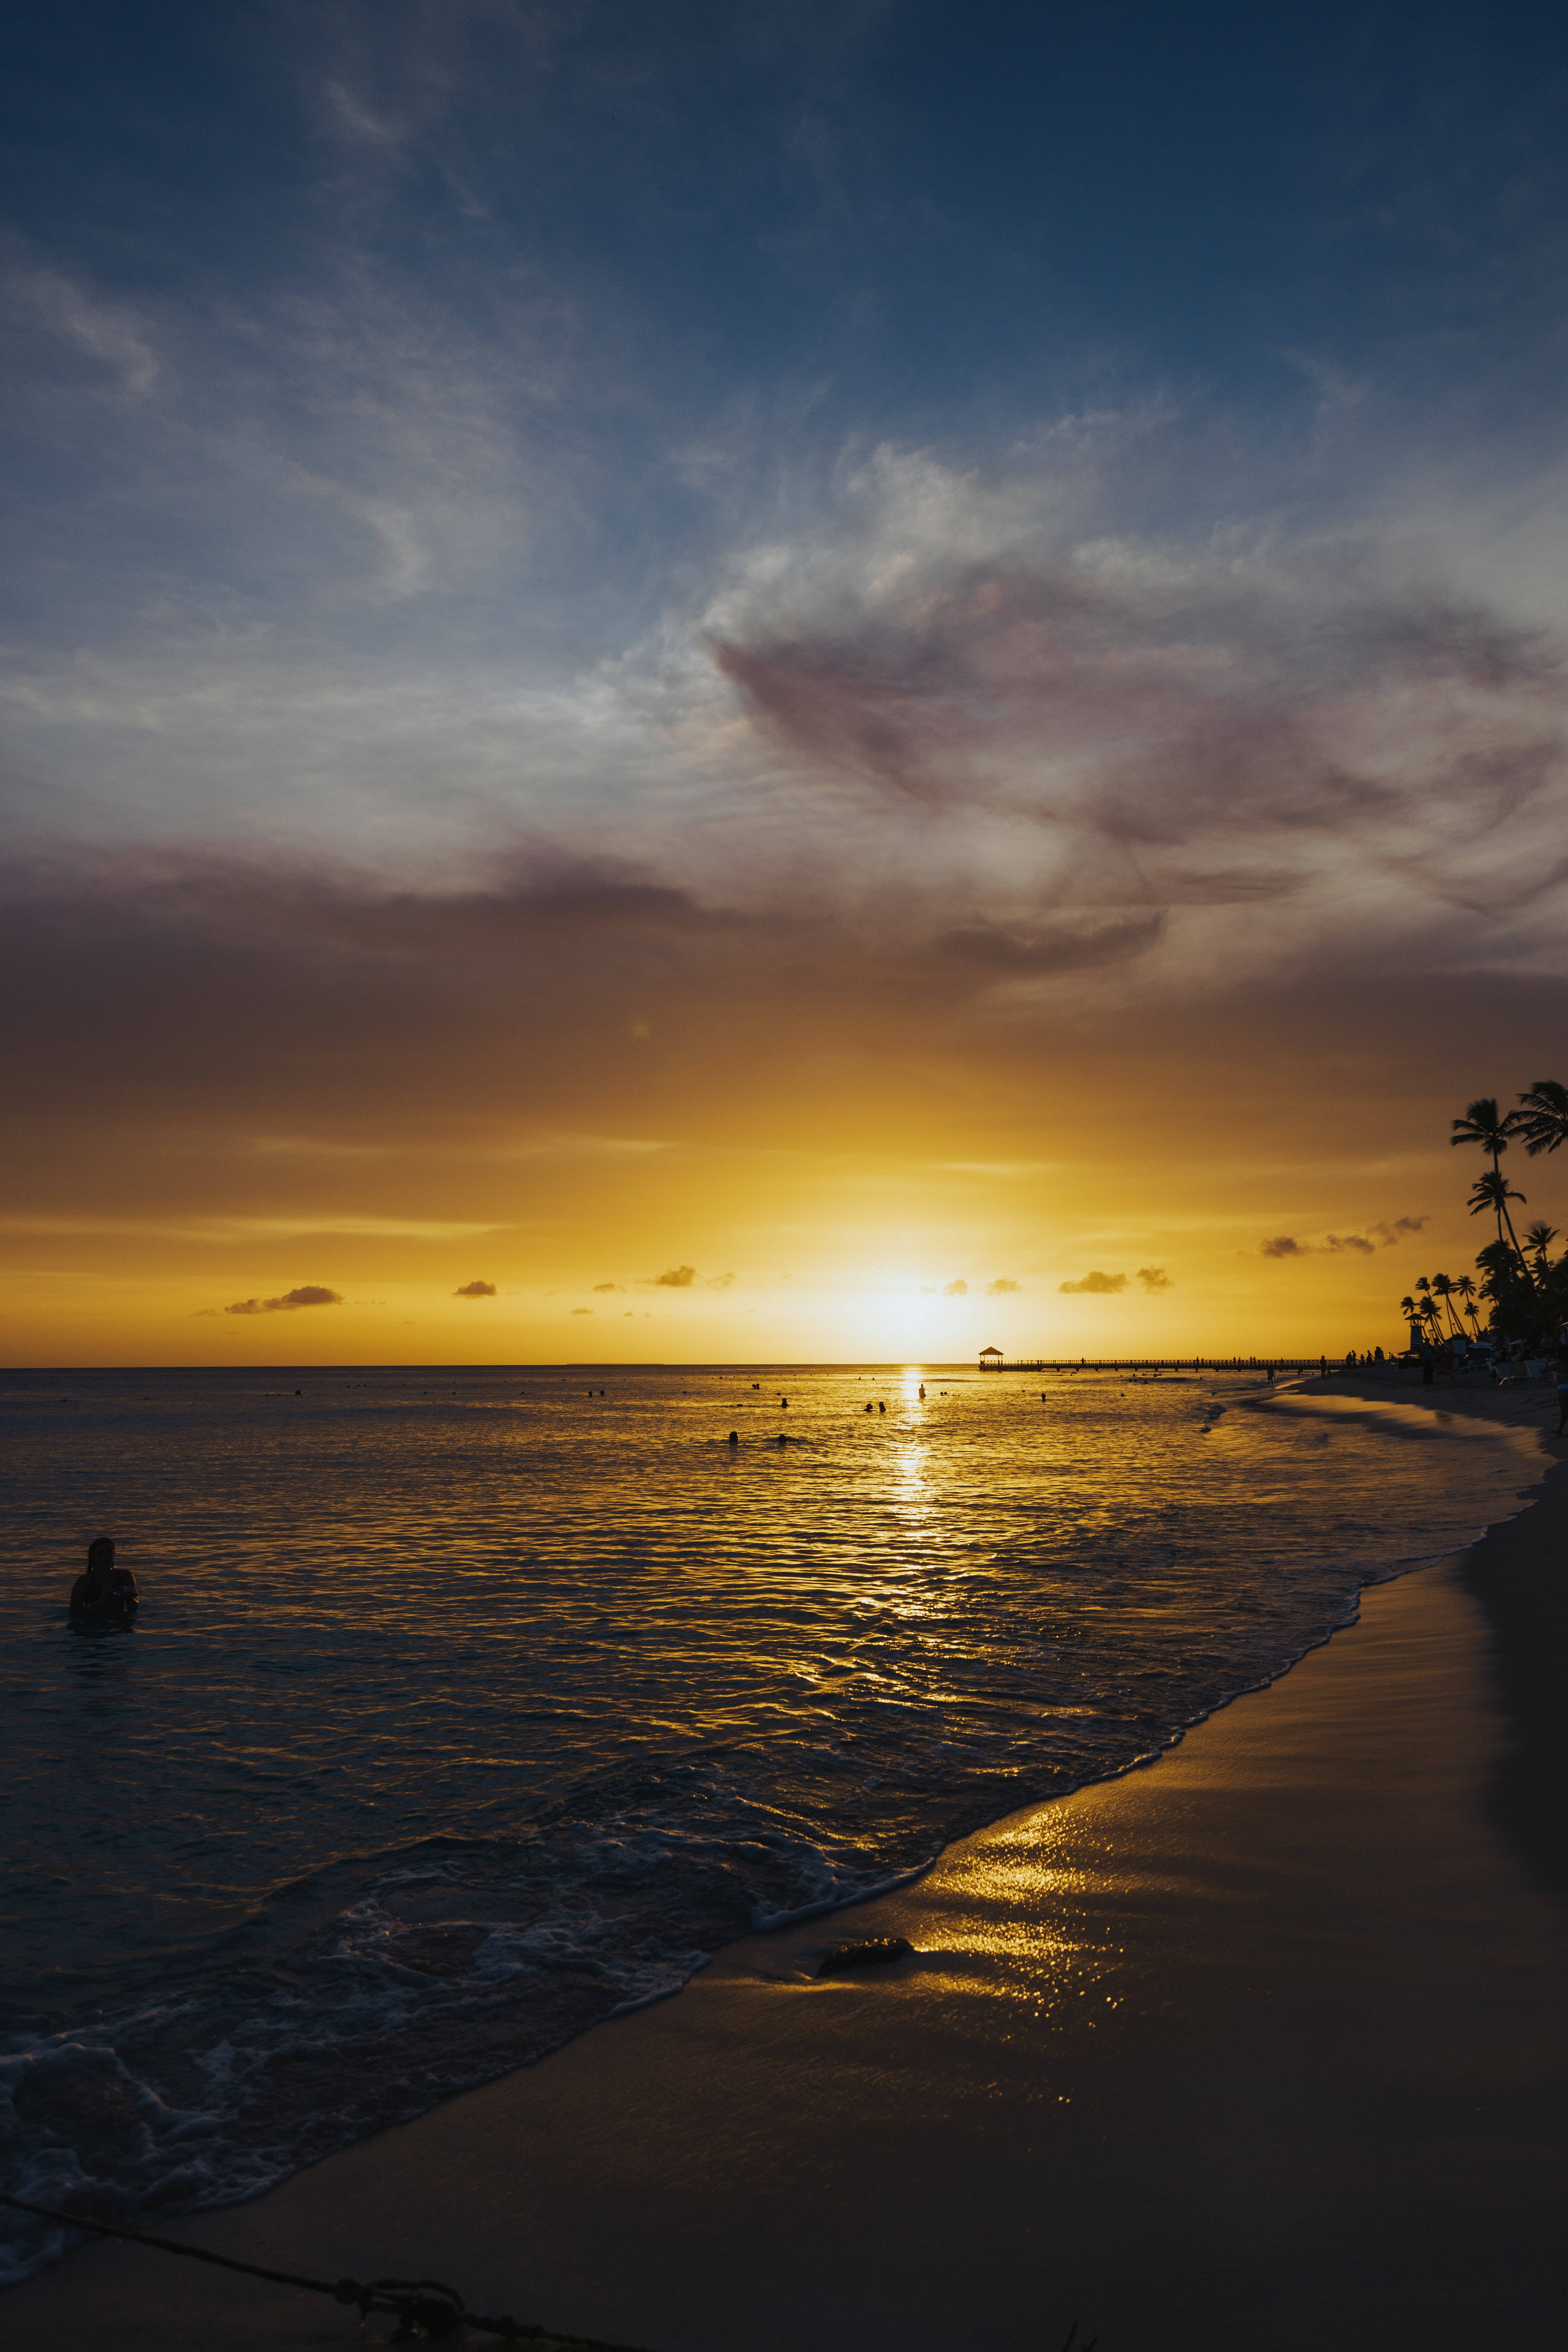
404,399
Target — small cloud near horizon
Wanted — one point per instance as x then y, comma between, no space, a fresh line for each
475,1290
1389,1235
1001,1288
1154,1277
956,1290
1337,1245
582,1310
674,1277
309,1294
1097,1286
718,1282
607,1285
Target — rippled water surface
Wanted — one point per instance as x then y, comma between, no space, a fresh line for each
467,1707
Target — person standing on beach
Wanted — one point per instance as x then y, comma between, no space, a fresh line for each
105,1591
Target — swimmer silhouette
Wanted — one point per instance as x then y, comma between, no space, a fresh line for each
105,1591
784,1404
734,1437
922,1388
783,1440
881,1408
867,1408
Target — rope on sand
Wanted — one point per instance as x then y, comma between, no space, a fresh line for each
422,2305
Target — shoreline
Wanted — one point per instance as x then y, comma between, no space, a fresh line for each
1331,1956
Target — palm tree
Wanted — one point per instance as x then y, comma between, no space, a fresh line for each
1444,1289
1466,1289
1542,1117
1538,1239
1492,1191
1485,1125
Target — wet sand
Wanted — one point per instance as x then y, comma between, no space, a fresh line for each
1262,2046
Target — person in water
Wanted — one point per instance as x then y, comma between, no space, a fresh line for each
105,1591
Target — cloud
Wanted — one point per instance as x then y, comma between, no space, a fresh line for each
107,332
1096,1284
1151,727
1338,1245
1389,1235
309,1293
582,1310
1154,1277
718,1282
675,1277
608,1286
475,1290
1001,1288
959,1289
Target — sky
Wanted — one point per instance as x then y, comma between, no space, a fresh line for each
848,682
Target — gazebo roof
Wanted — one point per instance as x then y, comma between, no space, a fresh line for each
991,1352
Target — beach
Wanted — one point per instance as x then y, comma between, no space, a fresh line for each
1262,2045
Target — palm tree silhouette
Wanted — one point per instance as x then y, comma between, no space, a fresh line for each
1542,1117
1444,1289
1492,1191
1485,1125
1539,1238
1467,1291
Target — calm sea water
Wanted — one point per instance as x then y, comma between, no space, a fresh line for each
466,1708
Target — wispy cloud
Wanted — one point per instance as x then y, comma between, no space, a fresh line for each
1001,1288
475,1290
1345,1244
1098,1286
1154,1278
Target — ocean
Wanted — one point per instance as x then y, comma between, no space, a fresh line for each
468,1707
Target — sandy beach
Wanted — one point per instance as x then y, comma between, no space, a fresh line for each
1262,2046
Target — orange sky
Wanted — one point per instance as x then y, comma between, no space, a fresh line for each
240,1079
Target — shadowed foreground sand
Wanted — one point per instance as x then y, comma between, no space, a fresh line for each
1263,2047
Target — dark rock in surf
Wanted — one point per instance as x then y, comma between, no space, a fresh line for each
875,1952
